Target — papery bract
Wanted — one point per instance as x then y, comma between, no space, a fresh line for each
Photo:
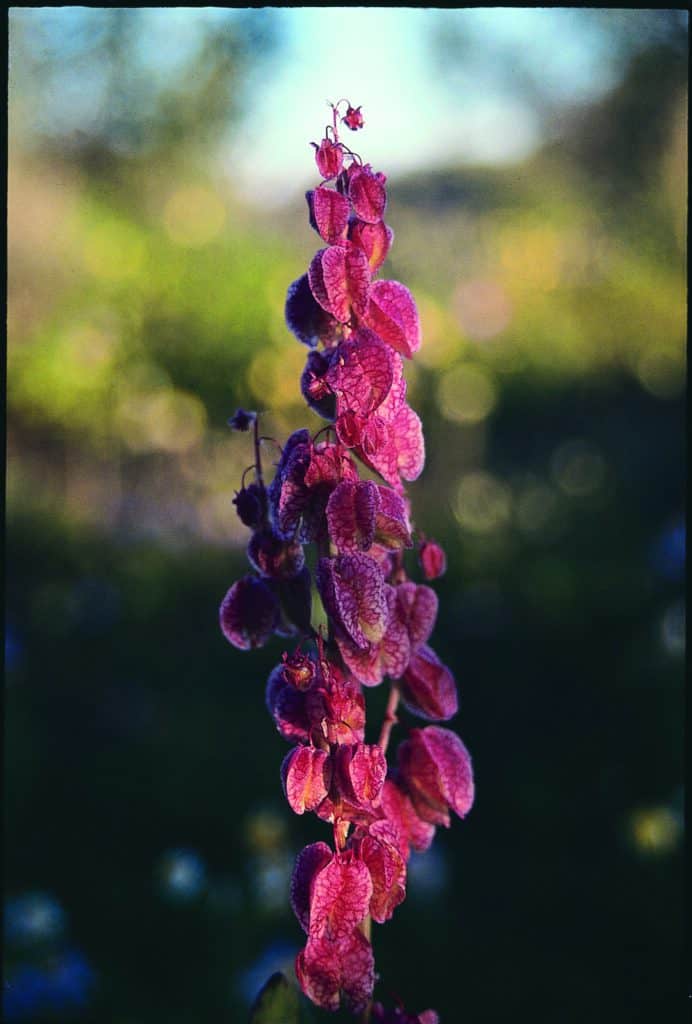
360,772
338,712
309,863
403,454
352,588
366,192
411,829
392,527
306,777
330,464
435,767
249,613
417,605
329,157
351,513
327,970
339,278
328,213
389,656
361,373
374,239
341,894
428,688
378,848
393,315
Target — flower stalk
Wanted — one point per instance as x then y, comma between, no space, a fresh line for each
358,329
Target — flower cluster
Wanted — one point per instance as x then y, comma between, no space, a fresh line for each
357,329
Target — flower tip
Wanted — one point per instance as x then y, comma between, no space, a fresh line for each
242,420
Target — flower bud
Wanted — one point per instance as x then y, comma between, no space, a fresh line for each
251,505
298,669
329,157
353,118
432,559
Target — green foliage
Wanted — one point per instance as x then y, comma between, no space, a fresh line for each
277,1003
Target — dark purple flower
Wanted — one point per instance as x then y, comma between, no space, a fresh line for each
242,420
273,557
251,504
306,318
249,613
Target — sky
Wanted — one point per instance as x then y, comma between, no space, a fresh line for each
488,102
416,114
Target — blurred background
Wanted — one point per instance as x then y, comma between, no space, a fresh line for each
537,175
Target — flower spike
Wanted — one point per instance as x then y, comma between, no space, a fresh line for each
358,330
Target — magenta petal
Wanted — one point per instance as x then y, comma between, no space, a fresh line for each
374,239
400,812
367,193
379,850
249,613
341,894
392,314
326,969
330,465
436,769
352,588
309,862
392,527
428,688
340,279
351,512
404,453
306,777
329,157
330,212
318,971
388,657
361,373
360,773
358,972
417,606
